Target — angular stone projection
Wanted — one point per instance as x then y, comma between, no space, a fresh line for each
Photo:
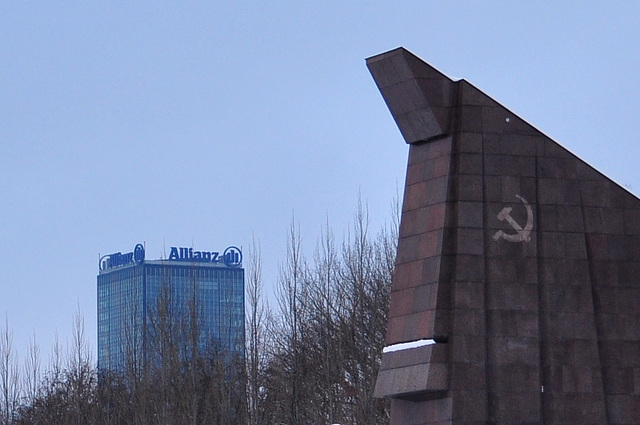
516,294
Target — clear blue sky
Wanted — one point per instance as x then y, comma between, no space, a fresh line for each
204,123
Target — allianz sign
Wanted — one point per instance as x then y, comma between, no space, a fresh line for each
231,257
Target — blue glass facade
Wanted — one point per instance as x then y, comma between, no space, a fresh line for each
139,299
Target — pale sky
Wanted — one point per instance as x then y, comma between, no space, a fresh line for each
201,124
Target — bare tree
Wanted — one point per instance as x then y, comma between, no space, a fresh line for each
81,377
290,293
9,377
333,314
257,318
32,372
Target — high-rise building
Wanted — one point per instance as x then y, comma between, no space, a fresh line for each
193,292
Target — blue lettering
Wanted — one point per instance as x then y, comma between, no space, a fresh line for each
118,259
232,257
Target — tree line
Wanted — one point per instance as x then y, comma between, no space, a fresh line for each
311,354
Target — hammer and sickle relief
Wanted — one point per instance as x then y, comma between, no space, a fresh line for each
522,234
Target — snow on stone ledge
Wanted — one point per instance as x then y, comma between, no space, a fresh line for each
407,345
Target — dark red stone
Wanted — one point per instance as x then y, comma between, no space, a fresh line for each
534,305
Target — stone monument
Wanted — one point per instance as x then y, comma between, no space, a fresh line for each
516,293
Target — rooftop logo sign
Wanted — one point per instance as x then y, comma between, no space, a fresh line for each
232,256
119,259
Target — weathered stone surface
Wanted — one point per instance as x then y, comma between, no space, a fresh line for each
521,261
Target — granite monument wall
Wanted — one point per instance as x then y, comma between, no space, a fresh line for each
516,294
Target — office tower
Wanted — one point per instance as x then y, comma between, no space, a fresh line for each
192,292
